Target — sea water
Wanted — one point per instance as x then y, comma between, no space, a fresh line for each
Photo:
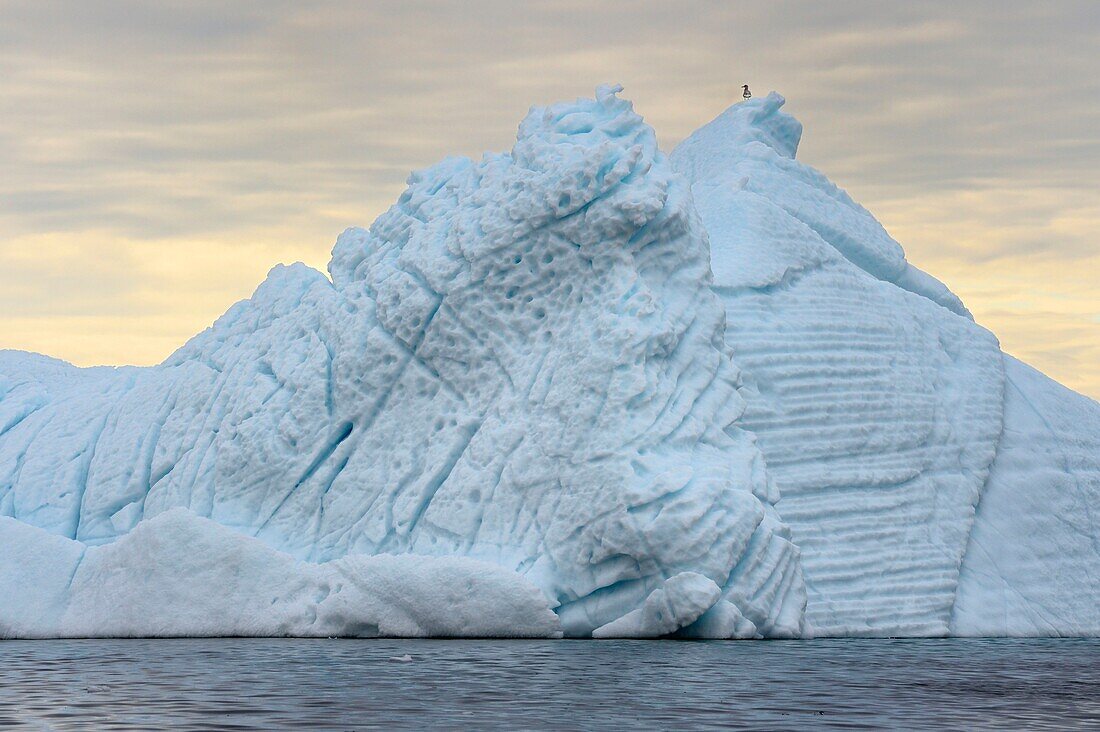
338,684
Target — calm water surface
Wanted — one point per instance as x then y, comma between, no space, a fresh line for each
260,684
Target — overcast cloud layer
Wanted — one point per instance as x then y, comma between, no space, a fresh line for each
156,158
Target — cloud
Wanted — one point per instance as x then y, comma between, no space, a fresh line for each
140,138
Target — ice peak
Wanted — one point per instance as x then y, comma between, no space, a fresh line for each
592,159
607,125
751,147
604,92
762,120
722,141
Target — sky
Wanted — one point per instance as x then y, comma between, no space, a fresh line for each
157,158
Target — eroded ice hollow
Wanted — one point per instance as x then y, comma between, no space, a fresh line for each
524,405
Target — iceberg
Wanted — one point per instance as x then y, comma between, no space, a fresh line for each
581,389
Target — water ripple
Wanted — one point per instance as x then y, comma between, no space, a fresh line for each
264,684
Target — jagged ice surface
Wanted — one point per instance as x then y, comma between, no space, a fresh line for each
524,405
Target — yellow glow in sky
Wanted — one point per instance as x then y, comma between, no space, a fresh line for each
156,159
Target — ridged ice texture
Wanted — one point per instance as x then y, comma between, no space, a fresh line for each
520,362
876,401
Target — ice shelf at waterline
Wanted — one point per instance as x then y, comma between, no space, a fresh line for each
581,389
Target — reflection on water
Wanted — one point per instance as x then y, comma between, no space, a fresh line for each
262,684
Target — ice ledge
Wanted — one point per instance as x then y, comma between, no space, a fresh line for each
181,575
